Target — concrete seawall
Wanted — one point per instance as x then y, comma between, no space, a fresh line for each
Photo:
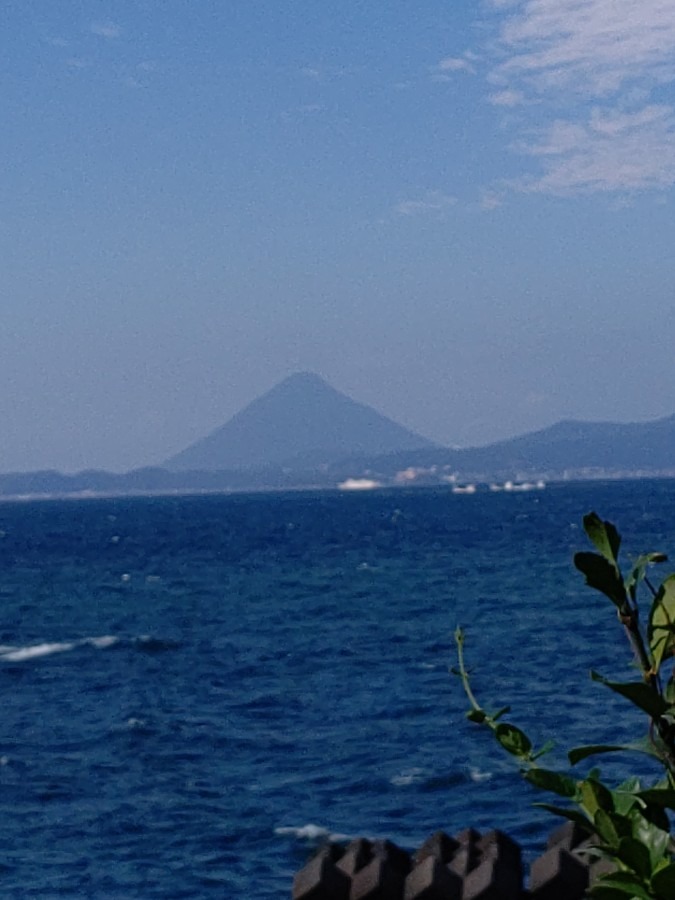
466,866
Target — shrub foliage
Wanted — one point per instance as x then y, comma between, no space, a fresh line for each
630,824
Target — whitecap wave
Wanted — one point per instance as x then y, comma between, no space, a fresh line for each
49,648
21,654
310,832
107,640
407,777
475,774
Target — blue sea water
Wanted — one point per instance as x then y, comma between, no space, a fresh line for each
196,689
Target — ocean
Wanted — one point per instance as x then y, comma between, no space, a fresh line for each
196,690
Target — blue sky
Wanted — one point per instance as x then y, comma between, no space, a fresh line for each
460,213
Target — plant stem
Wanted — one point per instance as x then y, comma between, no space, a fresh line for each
463,674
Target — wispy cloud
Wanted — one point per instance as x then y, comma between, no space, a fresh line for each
507,98
593,72
593,46
325,73
108,30
455,64
490,200
303,111
452,65
610,151
77,62
432,201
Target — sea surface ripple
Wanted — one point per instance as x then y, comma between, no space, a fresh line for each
197,690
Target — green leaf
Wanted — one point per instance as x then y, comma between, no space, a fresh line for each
603,576
624,884
624,802
669,691
595,796
513,740
663,882
639,693
580,753
639,570
635,855
552,781
663,797
657,815
655,839
661,630
476,715
603,535
605,827
572,814
598,892
630,785
546,748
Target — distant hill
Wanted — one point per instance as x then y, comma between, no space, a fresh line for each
566,449
302,422
576,446
304,434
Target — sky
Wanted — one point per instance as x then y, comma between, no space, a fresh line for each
458,212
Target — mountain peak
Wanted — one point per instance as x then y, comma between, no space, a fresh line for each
301,381
304,378
302,417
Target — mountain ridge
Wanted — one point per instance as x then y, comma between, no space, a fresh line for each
571,449
300,417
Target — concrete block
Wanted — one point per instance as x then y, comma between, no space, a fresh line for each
497,873
358,854
568,836
321,879
394,856
440,846
468,837
464,860
558,875
599,867
334,852
498,845
466,856
494,878
377,881
431,880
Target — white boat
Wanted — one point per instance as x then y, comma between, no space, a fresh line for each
359,484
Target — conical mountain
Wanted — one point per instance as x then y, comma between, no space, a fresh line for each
301,419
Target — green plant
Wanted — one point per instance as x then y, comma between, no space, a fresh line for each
629,825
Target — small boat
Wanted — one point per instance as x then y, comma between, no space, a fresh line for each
359,484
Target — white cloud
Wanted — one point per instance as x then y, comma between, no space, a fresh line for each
594,73
455,64
490,200
303,111
77,62
595,46
610,151
432,201
507,98
106,29
324,73
445,70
